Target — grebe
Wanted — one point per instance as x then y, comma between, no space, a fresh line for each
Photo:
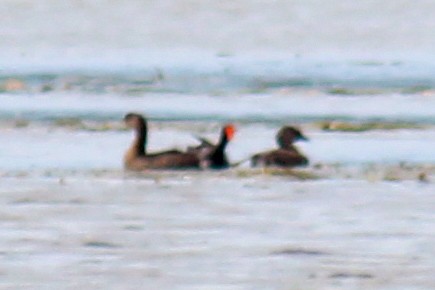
287,155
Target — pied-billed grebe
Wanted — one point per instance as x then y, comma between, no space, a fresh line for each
136,158
287,155
213,155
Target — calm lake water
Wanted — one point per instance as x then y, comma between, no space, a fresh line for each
356,77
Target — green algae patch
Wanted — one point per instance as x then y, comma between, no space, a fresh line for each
369,126
69,122
79,124
21,123
104,127
340,91
352,92
283,172
416,90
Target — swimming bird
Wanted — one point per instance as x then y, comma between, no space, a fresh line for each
213,155
137,159
287,154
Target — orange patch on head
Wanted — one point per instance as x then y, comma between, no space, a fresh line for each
230,130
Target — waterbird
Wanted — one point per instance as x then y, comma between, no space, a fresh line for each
137,159
211,155
287,155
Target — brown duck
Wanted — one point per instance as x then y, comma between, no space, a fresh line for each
286,155
213,155
136,158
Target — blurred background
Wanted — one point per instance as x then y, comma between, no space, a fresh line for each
359,67
225,43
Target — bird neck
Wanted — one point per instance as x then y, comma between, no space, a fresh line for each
139,144
223,141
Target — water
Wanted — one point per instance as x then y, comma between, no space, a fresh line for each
356,77
231,43
243,234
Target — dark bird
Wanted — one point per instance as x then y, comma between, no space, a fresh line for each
213,155
136,158
287,154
